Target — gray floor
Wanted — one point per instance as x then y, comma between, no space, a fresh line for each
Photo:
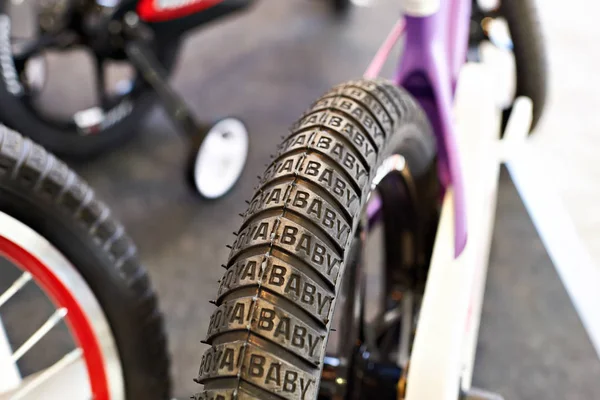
532,344
267,66
570,128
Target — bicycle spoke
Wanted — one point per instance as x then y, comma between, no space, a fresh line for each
23,51
39,334
103,100
15,287
47,374
406,329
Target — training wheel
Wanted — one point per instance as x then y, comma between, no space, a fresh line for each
218,161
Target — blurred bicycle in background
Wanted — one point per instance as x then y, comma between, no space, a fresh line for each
131,48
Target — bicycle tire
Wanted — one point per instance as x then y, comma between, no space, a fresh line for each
530,53
42,192
275,301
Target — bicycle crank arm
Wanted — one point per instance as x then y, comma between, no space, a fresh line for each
153,73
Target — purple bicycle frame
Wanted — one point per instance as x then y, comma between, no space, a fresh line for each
434,52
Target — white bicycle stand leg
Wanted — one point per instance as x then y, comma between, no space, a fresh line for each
10,377
444,348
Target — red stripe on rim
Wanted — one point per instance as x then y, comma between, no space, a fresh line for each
76,319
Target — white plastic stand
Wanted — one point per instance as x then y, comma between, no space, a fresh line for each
445,342
443,353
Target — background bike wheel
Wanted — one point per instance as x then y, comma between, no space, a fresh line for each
41,197
530,53
109,122
283,274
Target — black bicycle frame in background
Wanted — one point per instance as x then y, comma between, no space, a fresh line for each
168,30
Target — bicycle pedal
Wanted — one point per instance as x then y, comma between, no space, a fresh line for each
478,394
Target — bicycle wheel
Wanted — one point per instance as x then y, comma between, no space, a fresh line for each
526,43
72,130
276,300
530,53
68,264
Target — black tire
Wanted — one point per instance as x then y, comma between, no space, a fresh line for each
43,193
530,53
276,299
63,138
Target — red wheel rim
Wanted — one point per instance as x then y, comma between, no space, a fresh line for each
76,319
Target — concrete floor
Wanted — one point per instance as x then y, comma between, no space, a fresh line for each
267,66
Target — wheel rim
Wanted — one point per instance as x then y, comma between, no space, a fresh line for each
221,158
341,370
42,264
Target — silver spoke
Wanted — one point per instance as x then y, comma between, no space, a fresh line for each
15,287
103,101
47,374
71,371
407,326
39,334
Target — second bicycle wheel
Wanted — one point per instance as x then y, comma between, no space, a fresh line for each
108,98
530,53
78,316
276,300
514,26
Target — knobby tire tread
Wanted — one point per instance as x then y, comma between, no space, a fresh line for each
29,174
303,218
